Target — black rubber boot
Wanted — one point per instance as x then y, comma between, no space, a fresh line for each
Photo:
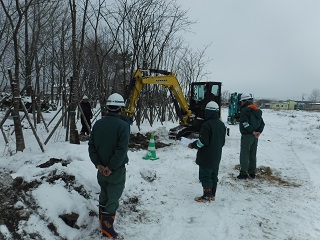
206,197
214,189
252,175
243,176
107,226
101,209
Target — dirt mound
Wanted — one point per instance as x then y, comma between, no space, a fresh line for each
137,142
17,203
53,161
140,141
266,174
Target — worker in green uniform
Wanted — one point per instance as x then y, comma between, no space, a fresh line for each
209,145
108,146
251,126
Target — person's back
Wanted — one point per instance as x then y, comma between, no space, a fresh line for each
108,146
253,115
86,119
110,137
212,133
251,126
86,108
209,145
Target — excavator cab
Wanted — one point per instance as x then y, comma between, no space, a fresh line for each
201,94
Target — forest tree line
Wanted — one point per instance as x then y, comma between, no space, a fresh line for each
93,47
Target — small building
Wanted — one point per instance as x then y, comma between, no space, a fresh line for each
314,106
307,105
283,105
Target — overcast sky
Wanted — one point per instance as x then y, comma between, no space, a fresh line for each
270,48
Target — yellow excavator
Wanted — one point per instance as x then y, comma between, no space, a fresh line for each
191,115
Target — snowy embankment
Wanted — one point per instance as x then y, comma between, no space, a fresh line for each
157,203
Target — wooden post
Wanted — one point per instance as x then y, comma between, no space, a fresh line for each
21,120
44,122
96,115
4,136
55,128
31,125
5,117
55,116
1,124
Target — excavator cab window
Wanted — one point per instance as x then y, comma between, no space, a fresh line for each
215,90
199,92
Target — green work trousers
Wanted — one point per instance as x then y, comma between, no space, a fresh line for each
111,189
208,176
248,154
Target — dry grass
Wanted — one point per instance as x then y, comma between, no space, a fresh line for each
266,174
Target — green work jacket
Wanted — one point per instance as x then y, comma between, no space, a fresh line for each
109,141
210,143
251,119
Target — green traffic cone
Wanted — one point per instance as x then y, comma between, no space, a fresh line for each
151,154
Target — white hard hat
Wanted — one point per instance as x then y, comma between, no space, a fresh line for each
85,97
115,99
212,106
245,96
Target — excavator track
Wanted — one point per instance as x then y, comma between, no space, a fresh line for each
180,131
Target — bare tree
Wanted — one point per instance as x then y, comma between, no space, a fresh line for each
303,96
14,12
100,46
37,21
192,66
225,95
147,32
314,96
148,28
60,55
77,47
5,42
4,35
104,34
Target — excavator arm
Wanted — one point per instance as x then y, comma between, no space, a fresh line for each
166,79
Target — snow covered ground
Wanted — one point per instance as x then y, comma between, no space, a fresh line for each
158,201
